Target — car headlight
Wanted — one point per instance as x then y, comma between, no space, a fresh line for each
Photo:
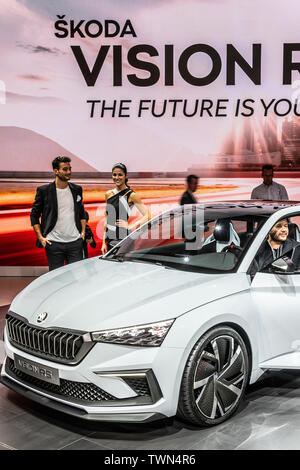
151,334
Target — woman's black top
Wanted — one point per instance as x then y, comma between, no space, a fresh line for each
117,207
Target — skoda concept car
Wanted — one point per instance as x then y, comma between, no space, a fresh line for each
176,319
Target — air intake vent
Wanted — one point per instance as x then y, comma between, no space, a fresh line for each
75,391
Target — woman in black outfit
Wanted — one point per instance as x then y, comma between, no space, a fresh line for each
119,203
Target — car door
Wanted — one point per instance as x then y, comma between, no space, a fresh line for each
276,299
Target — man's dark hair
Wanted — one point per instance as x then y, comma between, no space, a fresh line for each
58,160
267,167
190,177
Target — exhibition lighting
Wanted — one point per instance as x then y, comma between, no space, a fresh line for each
151,334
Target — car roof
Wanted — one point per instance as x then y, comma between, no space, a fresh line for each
258,206
241,207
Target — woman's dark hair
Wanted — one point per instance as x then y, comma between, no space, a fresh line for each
124,169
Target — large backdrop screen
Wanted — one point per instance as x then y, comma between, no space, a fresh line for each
168,87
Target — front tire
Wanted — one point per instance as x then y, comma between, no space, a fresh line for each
215,377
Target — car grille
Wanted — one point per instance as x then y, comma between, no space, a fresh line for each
86,392
60,346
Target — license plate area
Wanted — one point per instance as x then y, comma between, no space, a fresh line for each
39,371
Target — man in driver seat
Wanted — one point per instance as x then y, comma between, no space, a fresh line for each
277,245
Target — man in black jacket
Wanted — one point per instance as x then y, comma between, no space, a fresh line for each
277,245
61,229
188,196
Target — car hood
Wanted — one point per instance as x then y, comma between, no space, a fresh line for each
99,294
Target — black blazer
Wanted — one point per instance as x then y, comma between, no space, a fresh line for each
187,198
45,206
264,256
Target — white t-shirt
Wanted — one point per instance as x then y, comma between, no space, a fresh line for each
275,192
65,229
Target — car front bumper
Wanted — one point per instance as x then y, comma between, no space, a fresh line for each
113,369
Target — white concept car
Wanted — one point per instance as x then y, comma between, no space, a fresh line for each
176,319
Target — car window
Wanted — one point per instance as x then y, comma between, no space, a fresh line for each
283,240
199,240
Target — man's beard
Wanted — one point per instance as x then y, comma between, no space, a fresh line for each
275,239
63,178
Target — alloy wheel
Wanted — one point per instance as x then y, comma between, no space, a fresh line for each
219,376
215,377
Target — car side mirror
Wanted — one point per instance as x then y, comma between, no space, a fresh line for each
283,265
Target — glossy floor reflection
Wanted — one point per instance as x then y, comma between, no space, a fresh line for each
268,419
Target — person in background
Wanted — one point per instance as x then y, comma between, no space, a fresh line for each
188,196
89,237
57,217
269,190
119,204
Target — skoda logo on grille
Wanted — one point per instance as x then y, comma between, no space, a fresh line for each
41,317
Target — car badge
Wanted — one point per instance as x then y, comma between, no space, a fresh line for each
41,317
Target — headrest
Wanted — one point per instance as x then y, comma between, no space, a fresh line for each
222,230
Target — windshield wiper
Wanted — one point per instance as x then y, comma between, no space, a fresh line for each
144,260
118,259
134,259
122,257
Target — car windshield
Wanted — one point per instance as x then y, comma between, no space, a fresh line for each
201,238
